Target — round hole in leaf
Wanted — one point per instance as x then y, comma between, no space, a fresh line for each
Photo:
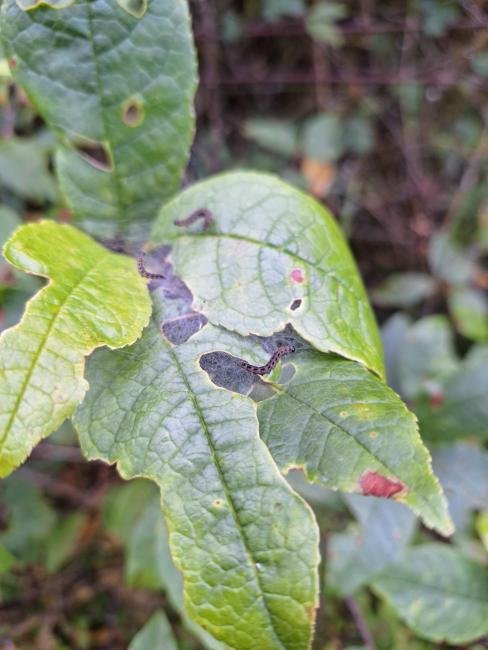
132,112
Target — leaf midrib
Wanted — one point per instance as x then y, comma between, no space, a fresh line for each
226,490
326,417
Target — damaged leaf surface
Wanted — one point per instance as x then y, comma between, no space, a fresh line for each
271,256
352,433
245,542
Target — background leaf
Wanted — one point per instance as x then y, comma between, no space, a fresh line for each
463,472
439,593
118,92
269,246
355,557
462,409
155,635
94,298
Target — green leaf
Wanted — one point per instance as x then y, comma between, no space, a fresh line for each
469,309
479,64
30,519
356,557
440,594
7,560
61,544
273,10
9,221
276,135
393,333
350,432
426,357
481,528
403,289
155,635
123,505
245,543
94,298
359,136
322,138
463,472
437,15
321,22
24,169
462,410
269,246
117,88
448,260
146,546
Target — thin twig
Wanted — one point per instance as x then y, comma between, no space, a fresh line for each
360,622
469,177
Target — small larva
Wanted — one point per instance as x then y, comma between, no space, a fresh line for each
201,213
142,269
268,367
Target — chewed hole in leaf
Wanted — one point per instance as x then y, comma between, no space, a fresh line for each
287,337
180,329
133,112
376,485
96,154
136,8
296,304
287,373
224,370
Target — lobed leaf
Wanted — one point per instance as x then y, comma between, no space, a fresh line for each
271,256
94,298
245,542
350,432
116,82
440,594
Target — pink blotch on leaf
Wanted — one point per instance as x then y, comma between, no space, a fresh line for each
297,276
373,484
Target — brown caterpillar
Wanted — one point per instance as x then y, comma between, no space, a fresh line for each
142,269
201,213
268,367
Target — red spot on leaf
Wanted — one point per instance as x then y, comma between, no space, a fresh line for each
373,484
436,399
297,276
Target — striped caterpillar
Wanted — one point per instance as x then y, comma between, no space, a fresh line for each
268,367
142,269
201,213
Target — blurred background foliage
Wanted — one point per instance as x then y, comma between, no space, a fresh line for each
379,110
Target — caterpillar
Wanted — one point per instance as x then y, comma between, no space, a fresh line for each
201,213
268,367
142,269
